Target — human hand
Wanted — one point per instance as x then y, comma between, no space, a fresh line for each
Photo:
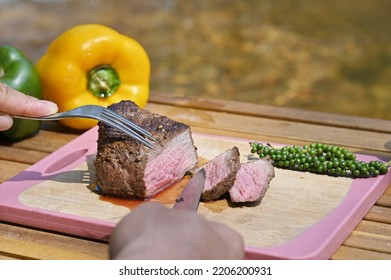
13,102
153,231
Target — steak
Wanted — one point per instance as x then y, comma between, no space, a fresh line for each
220,174
127,168
252,181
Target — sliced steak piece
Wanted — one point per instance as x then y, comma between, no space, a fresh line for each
127,168
220,174
252,181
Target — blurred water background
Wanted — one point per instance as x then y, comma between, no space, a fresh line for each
324,55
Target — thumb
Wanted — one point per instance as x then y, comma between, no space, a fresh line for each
5,122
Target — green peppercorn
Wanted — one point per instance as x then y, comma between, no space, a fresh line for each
321,159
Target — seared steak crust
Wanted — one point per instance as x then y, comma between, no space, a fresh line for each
127,168
220,174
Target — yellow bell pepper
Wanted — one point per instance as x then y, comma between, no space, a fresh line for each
94,64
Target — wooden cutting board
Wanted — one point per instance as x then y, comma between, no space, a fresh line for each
302,216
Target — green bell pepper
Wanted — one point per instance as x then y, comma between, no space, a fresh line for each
19,73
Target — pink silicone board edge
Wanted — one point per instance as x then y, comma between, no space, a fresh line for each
66,158
319,241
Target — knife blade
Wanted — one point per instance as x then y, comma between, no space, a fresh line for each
191,194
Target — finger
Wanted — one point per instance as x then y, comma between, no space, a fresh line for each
234,248
5,122
39,108
14,102
133,225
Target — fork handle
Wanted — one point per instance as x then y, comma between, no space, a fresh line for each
46,118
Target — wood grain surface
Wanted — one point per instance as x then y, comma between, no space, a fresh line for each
371,239
294,201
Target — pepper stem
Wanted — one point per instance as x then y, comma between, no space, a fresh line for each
387,164
103,81
2,73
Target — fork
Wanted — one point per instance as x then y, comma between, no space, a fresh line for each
105,116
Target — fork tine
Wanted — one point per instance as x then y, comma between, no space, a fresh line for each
129,123
126,130
106,116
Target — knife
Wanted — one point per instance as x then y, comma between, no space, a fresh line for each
191,194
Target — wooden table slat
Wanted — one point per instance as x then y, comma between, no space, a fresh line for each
273,112
385,199
12,153
45,141
370,240
35,244
13,168
258,126
373,227
379,214
352,253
